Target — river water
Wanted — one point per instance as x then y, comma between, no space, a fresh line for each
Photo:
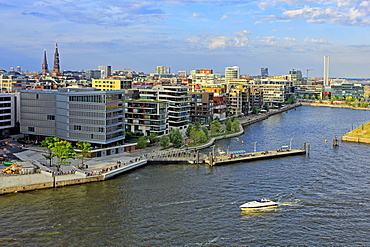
324,197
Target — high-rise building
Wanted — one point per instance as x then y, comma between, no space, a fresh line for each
264,73
162,70
105,70
232,73
326,71
93,74
295,76
56,70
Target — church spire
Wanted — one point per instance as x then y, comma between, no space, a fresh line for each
45,69
56,71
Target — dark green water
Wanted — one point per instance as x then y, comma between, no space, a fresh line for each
324,198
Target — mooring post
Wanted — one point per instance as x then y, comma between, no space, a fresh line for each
308,149
335,141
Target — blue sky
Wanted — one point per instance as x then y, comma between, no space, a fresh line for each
189,34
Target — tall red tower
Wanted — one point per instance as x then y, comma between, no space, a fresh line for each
56,71
45,69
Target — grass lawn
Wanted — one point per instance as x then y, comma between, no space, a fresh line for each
363,131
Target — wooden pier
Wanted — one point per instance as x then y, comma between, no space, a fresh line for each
247,157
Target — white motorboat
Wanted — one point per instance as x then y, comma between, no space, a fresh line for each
259,204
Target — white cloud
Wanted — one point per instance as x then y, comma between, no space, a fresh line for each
218,42
197,15
289,39
341,12
237,40
224,17
315,41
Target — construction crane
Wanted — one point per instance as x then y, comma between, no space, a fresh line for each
307,71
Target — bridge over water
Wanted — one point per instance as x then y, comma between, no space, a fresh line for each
181,155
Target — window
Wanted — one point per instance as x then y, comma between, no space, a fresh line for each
101,129
77,127
51,117
31,129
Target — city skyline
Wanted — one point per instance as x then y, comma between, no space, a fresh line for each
279,35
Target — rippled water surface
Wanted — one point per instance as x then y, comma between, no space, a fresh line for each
324,197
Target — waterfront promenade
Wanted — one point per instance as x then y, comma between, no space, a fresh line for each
96,169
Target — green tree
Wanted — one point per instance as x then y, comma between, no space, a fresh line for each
291,100
142,142
84,151
313,97
333,99
188,129
197,125
254,110
176,138
202,137
63,150
266,107
205,130
341,98
228,124
235,125
326,97
195,135
215,127
48,143
164,142
153,138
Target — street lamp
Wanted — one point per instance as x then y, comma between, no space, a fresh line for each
255,144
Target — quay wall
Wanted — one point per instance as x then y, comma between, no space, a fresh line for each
355,139
14,183
75,181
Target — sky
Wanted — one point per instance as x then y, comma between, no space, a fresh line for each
280,35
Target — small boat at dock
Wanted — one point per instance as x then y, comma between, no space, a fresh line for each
259,204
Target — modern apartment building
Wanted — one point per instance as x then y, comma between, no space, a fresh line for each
92,74
147,117
13,84
232,73
255,98
178,99
112,83
346,89
105,71
162,70
201,107
74,114
273,94
219,98
7,113
238,103
264,73
295,76
307,91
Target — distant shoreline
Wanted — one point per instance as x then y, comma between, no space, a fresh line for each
332,105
